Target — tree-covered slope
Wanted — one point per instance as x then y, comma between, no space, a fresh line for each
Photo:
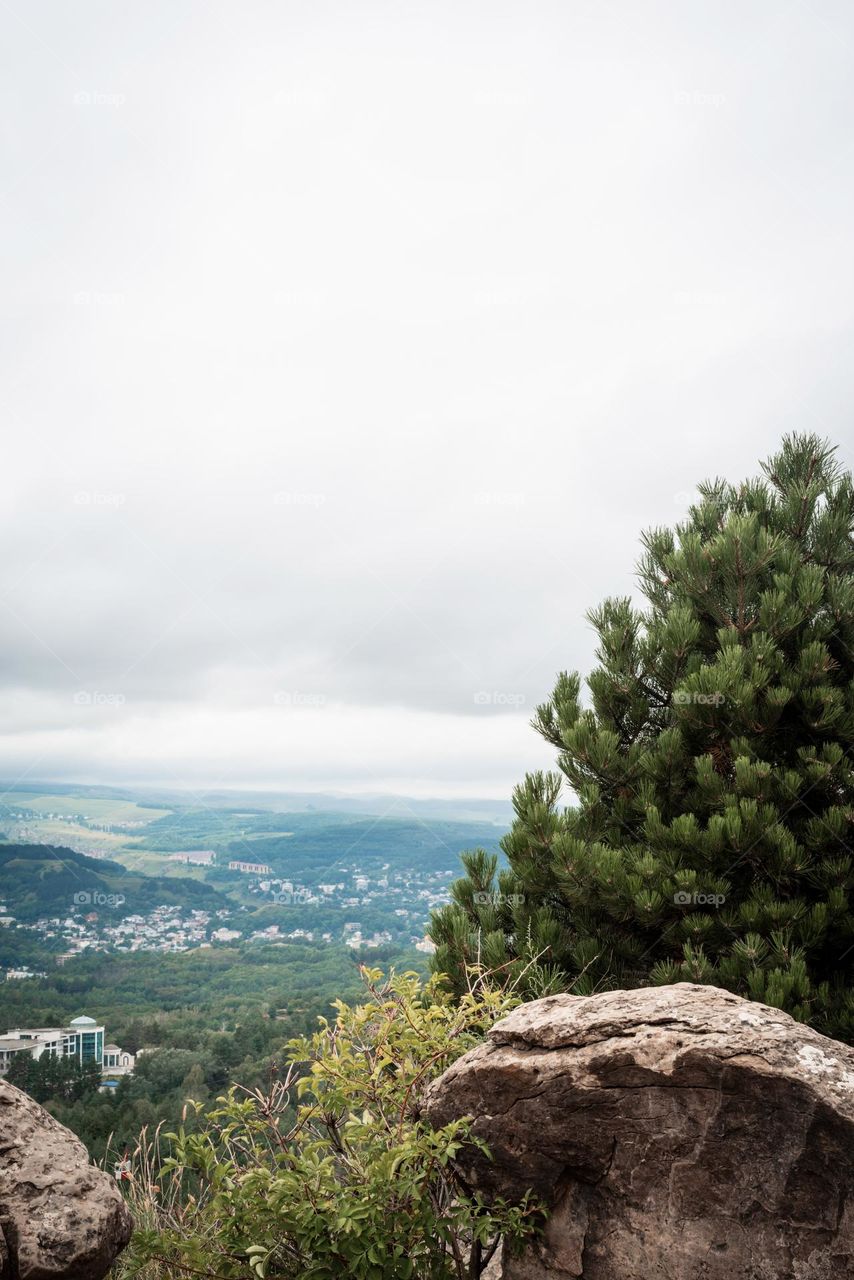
44,881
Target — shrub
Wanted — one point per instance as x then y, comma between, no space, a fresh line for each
329,1172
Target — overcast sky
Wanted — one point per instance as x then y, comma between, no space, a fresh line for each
348,347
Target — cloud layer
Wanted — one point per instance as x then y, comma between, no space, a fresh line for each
348,349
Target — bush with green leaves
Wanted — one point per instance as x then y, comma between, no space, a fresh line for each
330,1171
710,769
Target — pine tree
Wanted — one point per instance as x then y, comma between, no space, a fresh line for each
88,1080
710,838
194,1084
23,1072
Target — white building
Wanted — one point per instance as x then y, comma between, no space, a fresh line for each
82,1040
117,1062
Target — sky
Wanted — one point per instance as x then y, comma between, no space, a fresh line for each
348,348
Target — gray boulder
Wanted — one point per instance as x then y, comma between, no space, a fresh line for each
59,1216
676,1133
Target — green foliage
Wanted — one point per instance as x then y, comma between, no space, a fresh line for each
711,838
53,1077
206,1018
332,1172
307,846
38,880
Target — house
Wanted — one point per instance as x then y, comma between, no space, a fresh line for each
117,1062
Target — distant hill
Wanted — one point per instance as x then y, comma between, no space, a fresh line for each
324,841
299,844
47,880
461,809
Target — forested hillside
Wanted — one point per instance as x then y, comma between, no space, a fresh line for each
205,1018
44,880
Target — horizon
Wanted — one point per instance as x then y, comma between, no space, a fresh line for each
206,797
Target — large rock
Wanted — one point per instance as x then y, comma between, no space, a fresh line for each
677,1133
59,1216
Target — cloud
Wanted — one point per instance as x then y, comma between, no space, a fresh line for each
297,743
347,354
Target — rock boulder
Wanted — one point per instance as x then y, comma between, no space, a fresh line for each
59,1216
676,1133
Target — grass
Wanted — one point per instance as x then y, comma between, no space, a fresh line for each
76,835
97,810
70,834
155,1203
148,863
